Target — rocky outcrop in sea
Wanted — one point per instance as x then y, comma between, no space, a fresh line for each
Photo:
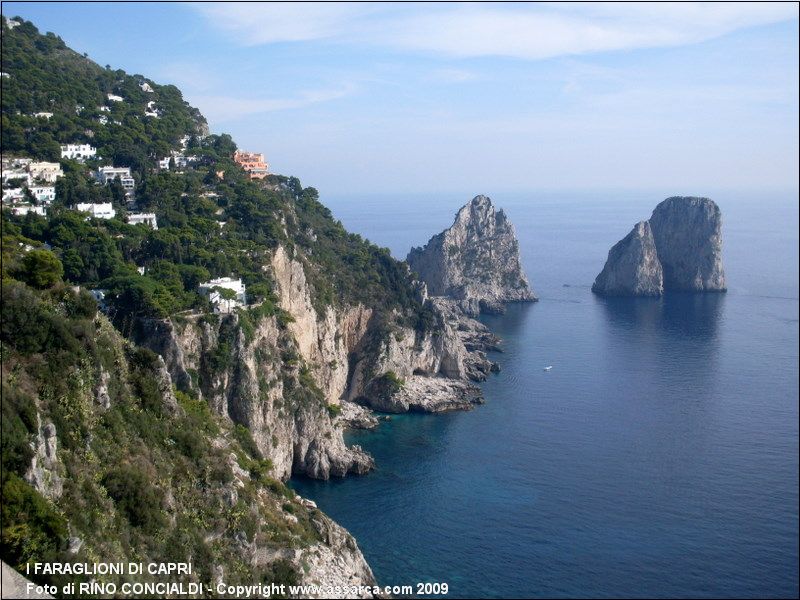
688,236
475,262
678,249
632,268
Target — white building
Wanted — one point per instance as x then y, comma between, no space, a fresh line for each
78,151
11,195
45,171
114,98
102,210
18,174
106,175
24,209
143,218
18,162
181,162
103,120
212,290
44,115
146,87
45,194
104,108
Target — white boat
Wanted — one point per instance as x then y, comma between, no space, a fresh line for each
548,368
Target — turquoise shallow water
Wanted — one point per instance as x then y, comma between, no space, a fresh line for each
659,457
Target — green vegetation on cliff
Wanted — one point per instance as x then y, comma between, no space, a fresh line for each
46,76
102,462
102,457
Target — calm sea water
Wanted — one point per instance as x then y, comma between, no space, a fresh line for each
659,457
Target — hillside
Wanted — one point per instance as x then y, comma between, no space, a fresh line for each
145,416
47,77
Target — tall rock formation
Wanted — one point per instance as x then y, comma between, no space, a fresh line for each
632,268
475,261
678,249
688,236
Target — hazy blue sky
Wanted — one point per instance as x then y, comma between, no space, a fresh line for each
474,98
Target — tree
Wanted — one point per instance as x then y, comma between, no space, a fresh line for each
40,269
226,296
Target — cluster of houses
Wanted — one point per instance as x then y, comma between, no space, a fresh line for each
28,185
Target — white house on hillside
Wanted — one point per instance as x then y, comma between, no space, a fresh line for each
16,174
181,162
43,193
213,290
146,87
78,151
23,209
143,218
102,210
11,195
45,171
114,98
106,175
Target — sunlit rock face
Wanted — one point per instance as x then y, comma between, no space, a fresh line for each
475,262
679,249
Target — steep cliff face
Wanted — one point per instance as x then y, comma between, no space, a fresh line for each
256,378
102,458
285,376
475,261
632,268
678,249
324,341
688,236
403,369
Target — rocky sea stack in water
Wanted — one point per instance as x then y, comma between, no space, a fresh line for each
475,261
678,249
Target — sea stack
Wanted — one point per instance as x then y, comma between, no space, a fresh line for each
678,249
475,262
632,268
688,236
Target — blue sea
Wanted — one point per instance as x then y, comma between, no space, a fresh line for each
659,456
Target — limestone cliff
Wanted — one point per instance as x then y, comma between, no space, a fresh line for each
632,268
284,376
688,237
106,450
678,249
476,261
256,379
